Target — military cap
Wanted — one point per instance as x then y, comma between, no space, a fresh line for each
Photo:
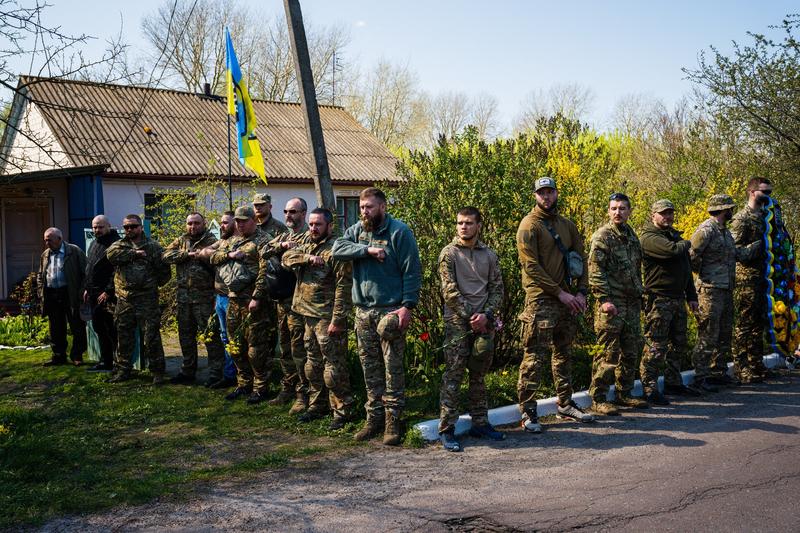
244,213
720,202
544,182
262,198
389,327
661,205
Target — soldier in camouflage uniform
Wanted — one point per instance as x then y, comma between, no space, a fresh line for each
615,278
323,297
251,313
269,225
472,289
195,299
553,302
386,282
748,227
713,257
668,289
138,271
291,326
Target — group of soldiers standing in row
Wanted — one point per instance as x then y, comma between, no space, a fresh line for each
241,278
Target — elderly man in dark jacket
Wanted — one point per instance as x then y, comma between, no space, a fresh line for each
668,290
99,291
60,285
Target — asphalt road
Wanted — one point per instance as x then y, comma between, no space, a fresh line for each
726,462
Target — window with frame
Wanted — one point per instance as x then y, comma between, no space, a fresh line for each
347,211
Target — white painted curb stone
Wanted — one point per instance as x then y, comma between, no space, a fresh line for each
510,414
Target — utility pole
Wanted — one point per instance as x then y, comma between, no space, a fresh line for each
308,99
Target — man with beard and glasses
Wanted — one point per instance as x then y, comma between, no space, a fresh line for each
747,227
553,302
195,300
138,272
386,282
291,328
713,257
668,290
227,230
323,298
99,291
472,289
615,277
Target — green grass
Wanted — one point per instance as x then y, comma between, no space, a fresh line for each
71,443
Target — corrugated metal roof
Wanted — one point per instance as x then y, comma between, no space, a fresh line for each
104,124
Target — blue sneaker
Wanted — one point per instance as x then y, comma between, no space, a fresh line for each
486,430
449,441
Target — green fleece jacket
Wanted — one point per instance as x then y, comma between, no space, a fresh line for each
666,267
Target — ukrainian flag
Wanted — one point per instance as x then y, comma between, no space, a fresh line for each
241,108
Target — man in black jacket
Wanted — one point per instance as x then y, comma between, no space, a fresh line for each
668,289
99,291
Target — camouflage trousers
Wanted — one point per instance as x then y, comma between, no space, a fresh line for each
464,350
291,330
326,368
714,330
140,311
620,337
751,312
252,336
665,331
382,362
193,319
548,330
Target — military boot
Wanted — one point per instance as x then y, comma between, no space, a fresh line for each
300,404
372,428
283,397
159,379
623,400
391,434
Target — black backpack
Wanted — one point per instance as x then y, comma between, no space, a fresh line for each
280,281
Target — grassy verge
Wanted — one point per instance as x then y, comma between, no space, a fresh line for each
71,443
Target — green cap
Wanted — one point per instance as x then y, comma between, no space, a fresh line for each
262,198
720,202
244,213
543,183
661,205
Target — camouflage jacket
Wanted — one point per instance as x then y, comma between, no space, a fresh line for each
274,249
243,271
322,291
747,228
272,227
471,279
195,279
134,275
615,263
713,255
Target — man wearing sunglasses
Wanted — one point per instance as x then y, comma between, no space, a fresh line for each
291,325
138,272
615,266
748,227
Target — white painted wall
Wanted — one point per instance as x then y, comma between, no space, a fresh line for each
38,149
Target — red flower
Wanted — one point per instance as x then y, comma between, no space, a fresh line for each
424,336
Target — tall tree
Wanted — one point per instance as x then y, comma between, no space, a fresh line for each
571,100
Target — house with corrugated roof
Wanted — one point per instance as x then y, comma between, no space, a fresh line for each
74,149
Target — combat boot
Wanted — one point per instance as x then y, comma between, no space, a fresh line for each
391,433
604,408
372,428
630,401
119,377
283,397
159,379
300,404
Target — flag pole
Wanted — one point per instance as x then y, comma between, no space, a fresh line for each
230,186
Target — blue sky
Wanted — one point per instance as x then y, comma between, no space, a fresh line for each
506,48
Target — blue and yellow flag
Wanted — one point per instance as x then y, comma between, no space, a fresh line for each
241,108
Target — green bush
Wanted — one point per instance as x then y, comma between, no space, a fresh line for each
23,330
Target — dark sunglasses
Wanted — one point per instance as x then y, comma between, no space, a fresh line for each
130,226
618,196
291,211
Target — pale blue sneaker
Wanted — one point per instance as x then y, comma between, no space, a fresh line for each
449,441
